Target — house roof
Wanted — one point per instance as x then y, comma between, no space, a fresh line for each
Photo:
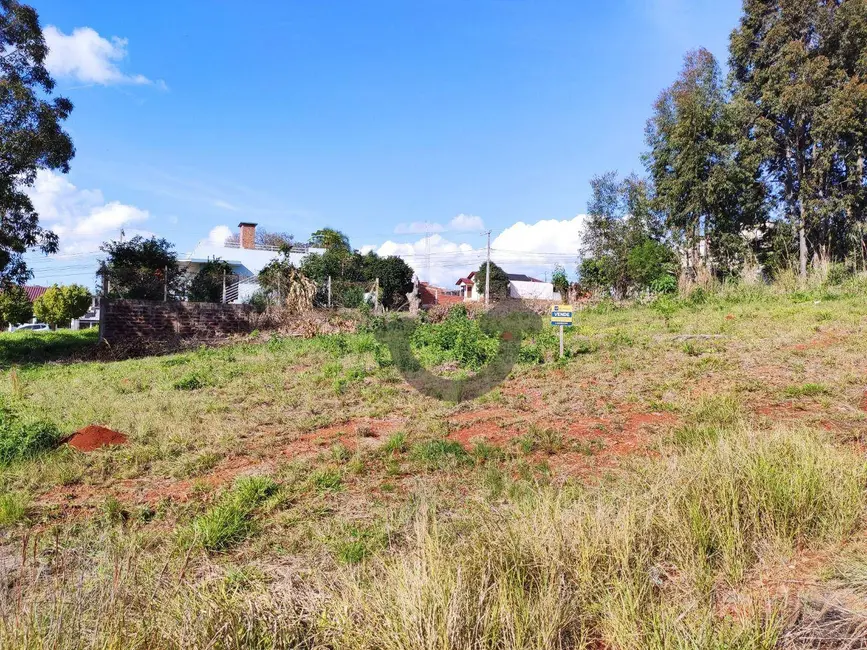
514,277
245,261
34,292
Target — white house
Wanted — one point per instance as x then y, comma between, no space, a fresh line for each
521,287
246,258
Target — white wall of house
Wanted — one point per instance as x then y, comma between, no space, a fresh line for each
532,290
470,294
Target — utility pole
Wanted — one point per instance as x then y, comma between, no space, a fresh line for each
329,291
224,286
488,272
376,297
165,284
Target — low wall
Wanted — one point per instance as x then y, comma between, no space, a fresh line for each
124,320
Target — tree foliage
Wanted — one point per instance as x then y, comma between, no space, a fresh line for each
799,71
708,189
767,167
330,238
280,240
15,307
352,273
60,304
624,248
31,136
141,269
499,284
207,284
560,281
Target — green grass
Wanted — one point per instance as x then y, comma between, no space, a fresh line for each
13,508
230,520
806,390
326,480
439,454
610,532
31,348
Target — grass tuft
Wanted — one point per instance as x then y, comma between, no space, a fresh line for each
230,520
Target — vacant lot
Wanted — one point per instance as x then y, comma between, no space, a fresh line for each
691,476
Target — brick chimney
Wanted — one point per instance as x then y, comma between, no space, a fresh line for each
248,235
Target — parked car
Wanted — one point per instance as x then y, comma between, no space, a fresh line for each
33,327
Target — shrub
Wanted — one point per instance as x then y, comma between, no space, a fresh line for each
458,338
192,381
22,440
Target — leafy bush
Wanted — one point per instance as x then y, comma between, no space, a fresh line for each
21,440
458,338
192,381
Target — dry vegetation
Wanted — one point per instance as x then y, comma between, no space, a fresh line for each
691,476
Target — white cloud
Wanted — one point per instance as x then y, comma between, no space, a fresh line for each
461,223
435,258
418,228
87,57
533,249
225,205
219,235
466,223
83,219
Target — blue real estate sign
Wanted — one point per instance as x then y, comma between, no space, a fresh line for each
561,315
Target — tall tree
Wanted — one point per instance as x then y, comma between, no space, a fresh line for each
621,219
499,283
31,136
330,238
799,65
708,189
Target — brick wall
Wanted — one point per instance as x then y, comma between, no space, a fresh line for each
124,320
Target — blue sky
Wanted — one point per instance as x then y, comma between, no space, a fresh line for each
364,116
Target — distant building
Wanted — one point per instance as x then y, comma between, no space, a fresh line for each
34,292
246,258
521,287
431,295
467,287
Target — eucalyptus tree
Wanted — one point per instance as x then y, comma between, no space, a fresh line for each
31,136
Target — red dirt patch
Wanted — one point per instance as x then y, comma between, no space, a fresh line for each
351,434
824,340
863,404
93,437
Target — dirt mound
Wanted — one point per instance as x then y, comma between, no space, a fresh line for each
94,437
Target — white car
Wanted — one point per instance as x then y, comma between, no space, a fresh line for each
33,327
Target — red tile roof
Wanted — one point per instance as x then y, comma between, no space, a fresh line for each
34,292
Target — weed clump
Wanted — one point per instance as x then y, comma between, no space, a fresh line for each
230,520
457,339
21,440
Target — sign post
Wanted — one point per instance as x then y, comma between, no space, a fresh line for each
561,316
